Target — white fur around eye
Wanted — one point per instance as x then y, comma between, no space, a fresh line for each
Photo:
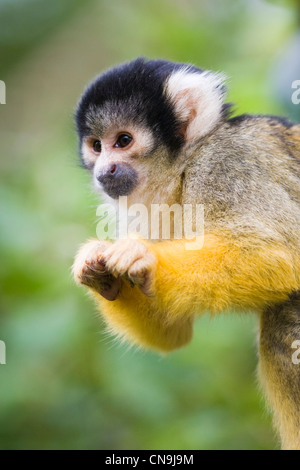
198,100
88,156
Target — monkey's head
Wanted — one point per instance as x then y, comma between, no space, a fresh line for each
134,121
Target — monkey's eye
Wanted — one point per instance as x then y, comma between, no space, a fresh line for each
97,146
123,140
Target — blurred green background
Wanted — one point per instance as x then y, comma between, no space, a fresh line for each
66,384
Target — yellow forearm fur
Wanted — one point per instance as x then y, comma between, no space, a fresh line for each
235,274
222,275
139,319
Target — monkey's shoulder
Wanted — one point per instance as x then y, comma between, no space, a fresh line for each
267,119
267,129
248,173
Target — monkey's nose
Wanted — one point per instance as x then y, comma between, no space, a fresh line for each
113,168
108,174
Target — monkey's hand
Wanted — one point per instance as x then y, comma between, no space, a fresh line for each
108,269
89,269
131,259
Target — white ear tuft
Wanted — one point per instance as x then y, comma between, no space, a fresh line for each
198,100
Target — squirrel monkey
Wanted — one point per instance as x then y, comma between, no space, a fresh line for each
159,133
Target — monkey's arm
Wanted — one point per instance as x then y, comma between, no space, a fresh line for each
279,374
225,274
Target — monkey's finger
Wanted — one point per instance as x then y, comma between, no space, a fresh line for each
119,263
111,290
142,274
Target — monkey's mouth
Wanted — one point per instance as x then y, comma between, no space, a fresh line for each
115,189
118,180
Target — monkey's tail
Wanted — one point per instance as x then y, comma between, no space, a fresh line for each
279,367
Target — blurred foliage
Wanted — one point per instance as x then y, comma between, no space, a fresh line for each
24,23
66,384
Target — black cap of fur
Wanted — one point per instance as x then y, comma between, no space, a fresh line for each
135,89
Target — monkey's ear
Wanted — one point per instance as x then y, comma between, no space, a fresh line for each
198,101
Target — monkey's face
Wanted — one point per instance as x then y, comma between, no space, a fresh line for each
117,158
124,120
135,120
127,130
